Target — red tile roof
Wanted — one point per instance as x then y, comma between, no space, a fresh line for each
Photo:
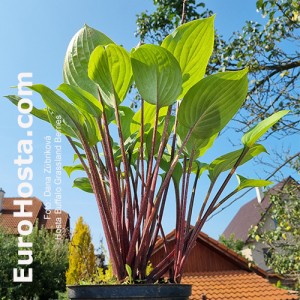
251,213
232,285
10,223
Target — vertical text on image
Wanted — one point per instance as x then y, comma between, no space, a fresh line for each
25,176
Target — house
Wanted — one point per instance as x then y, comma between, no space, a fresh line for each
251,214
55,220
216,273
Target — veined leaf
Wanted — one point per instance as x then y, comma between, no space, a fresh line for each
261,128
57,104
192,45
71,169
110,68
83,183
227,161
56,119
211,103
157,75
246,183
77,58
197,145
39,113
82,99
91,130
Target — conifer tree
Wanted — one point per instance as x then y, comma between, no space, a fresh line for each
81,255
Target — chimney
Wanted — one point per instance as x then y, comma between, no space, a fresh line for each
1,199
259,194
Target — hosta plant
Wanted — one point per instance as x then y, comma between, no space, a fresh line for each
137,163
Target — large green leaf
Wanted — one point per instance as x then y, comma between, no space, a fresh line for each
247,183
261,128
157,75
192,45
56,119
211,103
72,117
84,184
77,57
73,120
91,129
39,113
82,99
110,68
227,161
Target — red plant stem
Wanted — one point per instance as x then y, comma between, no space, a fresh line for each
150,165
126,170
166,181
162,267
115,196
146,236
101,171
113,179
144,201
86,169
135,184
154,235
164,140
211,186
200,222
142,149
159,219
104,211
188,223
181,232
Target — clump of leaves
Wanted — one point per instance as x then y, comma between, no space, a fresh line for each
283,239
135,160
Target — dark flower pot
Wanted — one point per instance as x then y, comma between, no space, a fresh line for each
136,292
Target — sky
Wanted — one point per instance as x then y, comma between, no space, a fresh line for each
34,38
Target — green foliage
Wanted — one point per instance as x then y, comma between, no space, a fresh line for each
129,170
192,45
267,48
227,161
251,137
109,67
82,260
50,262
154,27
83,44
232,243
157,75
283,241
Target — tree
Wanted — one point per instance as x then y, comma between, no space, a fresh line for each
283,241
268,50
168,15
50,260
232,243
82,260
